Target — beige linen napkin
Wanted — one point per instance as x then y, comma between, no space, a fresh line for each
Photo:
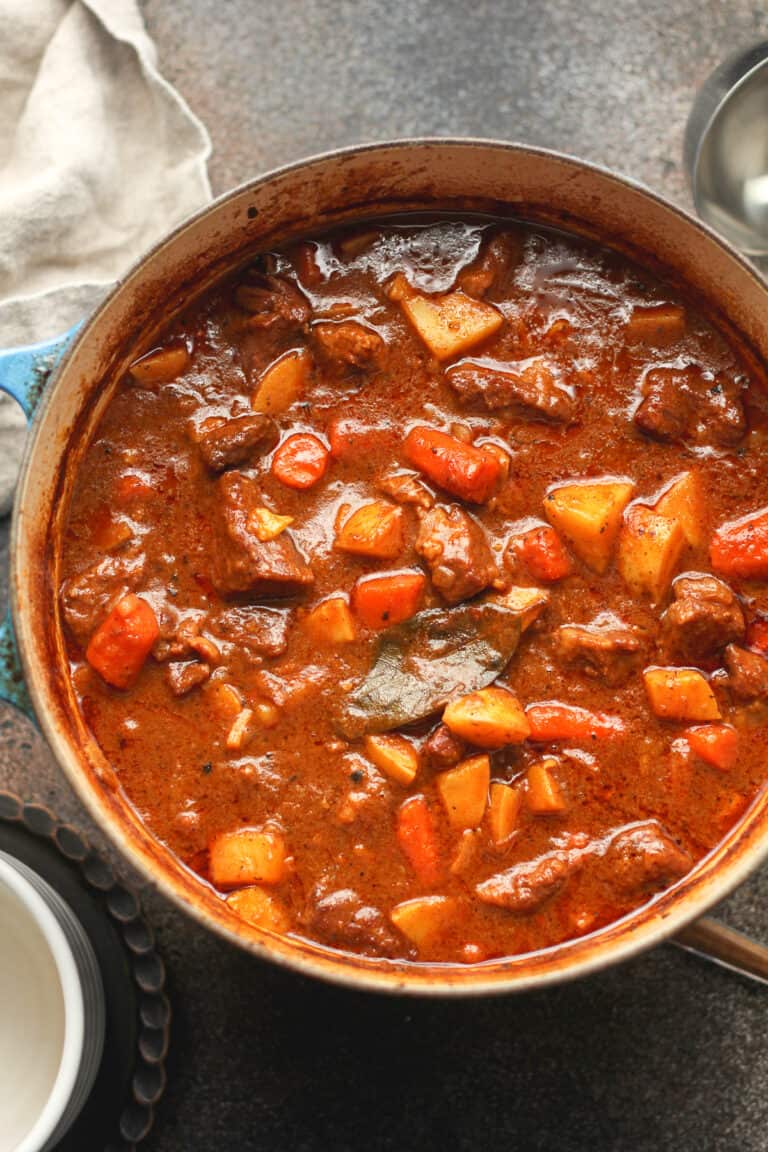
99,157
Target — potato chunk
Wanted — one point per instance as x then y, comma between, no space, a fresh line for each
375,529
330,622
283,383
464,791
489,718
684,501
161,366
680,694
589,515
260,908
543,794
503,810
424,919
450,324
247,856
395,756
650,547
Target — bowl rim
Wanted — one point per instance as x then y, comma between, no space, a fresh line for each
327,964
73,999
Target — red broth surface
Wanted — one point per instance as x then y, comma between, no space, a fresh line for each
408,588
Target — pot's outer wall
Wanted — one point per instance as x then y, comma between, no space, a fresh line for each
460,175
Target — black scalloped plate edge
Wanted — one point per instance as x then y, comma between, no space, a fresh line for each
121,904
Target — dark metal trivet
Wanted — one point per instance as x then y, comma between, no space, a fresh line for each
131,1079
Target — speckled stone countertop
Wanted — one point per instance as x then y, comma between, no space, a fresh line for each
663,1053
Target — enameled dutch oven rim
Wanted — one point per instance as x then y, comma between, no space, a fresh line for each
687,901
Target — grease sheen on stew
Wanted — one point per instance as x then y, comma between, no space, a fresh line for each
414,585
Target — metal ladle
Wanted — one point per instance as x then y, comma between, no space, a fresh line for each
726,152
726,155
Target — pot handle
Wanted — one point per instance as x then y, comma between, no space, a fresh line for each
24,373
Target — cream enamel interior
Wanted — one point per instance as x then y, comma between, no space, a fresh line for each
459,175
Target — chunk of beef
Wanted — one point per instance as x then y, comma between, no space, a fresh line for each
256,631
605,650
644,858
442,748
178,628
457,551
342,920
86,597
406,488
243,563
273,302
747,672
183,677
691,404
534,387
348,344
223,443
488,272
704,618
525,887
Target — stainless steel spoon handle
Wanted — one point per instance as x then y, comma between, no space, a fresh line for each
714,941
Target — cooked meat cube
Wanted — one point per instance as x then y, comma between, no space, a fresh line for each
257,631
273,303
177,630
500,253
86,597
342,920
442,749
692,404
243,563
533,387
704,618
349,344
605,650
405,488
645,857
747,672
457,551
183,677
223,443
526,886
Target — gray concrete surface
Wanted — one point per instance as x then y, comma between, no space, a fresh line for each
665,1053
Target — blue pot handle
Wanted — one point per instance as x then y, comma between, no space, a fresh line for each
24,373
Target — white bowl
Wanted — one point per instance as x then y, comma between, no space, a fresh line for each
51,1012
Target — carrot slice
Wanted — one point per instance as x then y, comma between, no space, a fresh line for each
757,634
417,838
467,472
543,553
120,645
554,721
740,547
717,744
300,461
388,598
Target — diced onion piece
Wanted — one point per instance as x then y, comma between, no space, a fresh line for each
225,699
247,856
267,525
241,732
